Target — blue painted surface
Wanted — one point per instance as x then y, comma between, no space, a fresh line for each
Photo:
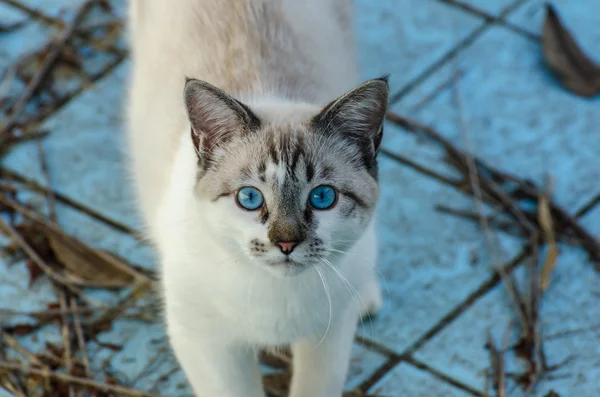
491,7
19,42
406,380
569,328
430,262
512,113
89,152
404,37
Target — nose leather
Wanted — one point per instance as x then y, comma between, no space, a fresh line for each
286,247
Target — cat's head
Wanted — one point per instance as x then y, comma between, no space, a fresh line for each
287,186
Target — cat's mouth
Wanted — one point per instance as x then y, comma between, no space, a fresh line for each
287,266
286,262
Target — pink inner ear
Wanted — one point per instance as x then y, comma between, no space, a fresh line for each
195,139
212,120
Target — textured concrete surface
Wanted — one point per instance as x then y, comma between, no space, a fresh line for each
494,98
406,380
416,34
569,320
494,8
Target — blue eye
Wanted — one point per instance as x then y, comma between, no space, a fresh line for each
250,198
322,197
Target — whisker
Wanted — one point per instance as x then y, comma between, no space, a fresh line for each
328,300
356,297
374,266
249,292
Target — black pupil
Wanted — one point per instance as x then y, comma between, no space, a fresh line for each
322,195
251,195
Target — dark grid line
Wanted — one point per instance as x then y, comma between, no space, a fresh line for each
70,202
500,20
443,377
396,358
393,358
466,42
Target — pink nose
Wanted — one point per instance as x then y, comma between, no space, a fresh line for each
287,247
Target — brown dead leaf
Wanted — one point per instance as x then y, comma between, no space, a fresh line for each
94,268
547,225
545,217
21,329
34,272
562,53
548,267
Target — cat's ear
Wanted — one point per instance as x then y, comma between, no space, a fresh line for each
358,115
215,117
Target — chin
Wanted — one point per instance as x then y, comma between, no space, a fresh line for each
286,267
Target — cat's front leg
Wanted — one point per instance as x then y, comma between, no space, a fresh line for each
215,366
320,365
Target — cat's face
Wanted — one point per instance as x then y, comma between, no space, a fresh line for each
287,192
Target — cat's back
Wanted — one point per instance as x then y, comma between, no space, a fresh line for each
298,50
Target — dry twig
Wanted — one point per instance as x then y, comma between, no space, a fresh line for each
49,61
544,224
503,190
74,380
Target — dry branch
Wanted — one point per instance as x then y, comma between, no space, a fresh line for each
544,224
48,64
74,380
505,191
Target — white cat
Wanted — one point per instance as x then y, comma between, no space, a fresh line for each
259,194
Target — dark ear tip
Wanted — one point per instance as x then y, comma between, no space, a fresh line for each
189,80
382,86
189,83
382,83
385,78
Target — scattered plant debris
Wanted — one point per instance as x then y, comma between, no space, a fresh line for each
528,211
517,199
73,267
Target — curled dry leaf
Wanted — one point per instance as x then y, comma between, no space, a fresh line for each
562,53
93,267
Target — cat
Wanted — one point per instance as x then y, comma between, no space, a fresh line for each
253,152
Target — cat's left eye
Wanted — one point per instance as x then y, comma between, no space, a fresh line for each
322,197
250,198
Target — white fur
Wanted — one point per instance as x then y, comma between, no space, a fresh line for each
221,306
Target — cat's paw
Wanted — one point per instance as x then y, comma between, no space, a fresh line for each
372,299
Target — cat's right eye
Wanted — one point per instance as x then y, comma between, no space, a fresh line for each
250,198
